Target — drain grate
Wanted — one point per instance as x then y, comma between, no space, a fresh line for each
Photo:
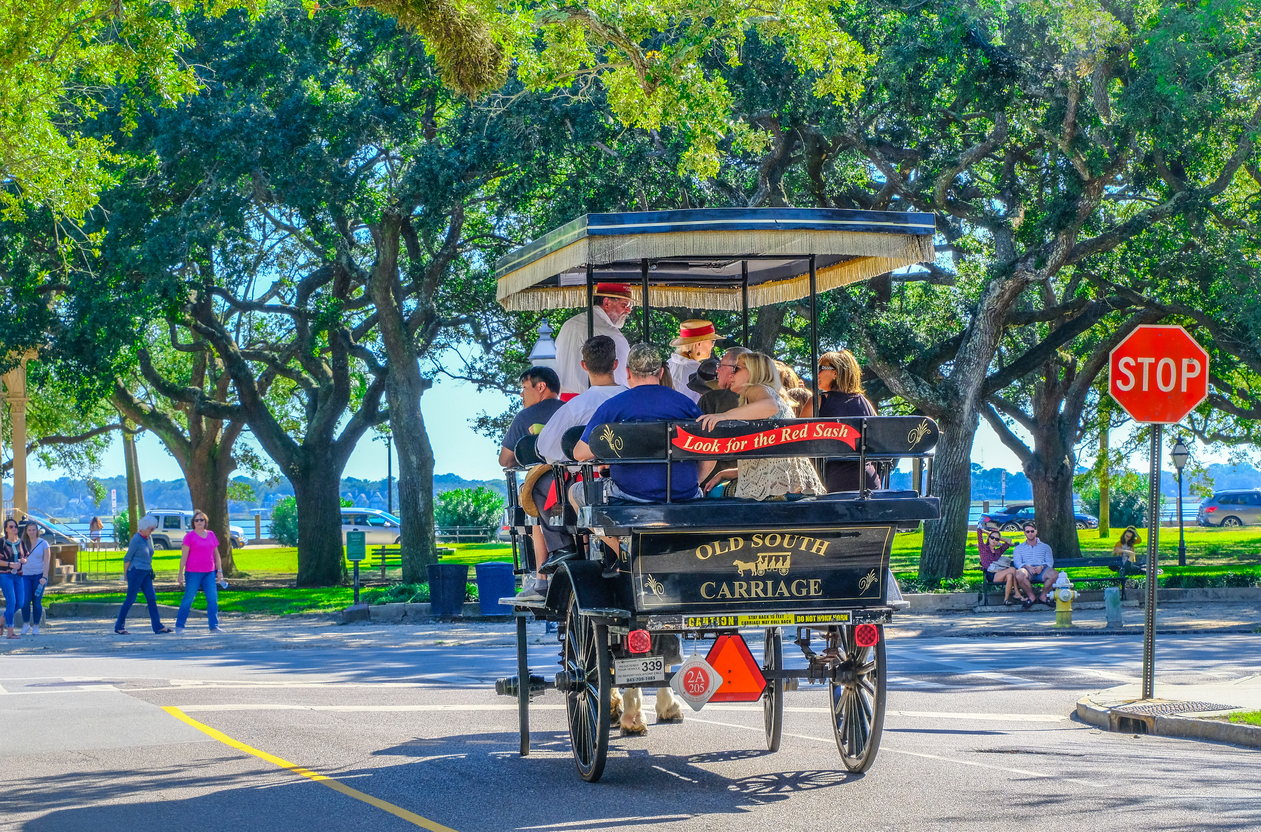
1166,708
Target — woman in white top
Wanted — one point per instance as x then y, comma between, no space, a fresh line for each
35,571
756,380
694,344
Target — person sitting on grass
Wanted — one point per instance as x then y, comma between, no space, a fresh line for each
1034,562
996,564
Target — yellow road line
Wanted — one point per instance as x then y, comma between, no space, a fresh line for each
335,785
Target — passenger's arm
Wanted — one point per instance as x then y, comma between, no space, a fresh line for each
507,459
703,469
763,409
582,452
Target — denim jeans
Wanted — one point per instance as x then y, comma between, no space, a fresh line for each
11,586
205,582
140,580
31,596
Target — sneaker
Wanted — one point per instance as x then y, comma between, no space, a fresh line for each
533,589
179,631
26,628
35,630
555,559
217,630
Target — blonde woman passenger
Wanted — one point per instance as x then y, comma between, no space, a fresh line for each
756,381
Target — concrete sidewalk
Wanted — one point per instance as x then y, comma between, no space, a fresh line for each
95,635
1190,711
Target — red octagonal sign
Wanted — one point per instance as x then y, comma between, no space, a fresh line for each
1158,374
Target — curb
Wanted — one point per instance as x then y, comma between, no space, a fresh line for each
1184,727
414,614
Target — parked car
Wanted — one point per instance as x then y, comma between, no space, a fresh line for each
1012,517
58,534
174,523
1231,508
380,527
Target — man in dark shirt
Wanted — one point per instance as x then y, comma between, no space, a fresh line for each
540,389
722,398
646,401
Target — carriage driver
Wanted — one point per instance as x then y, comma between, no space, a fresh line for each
611,307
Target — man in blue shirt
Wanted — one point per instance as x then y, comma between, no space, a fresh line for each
646,401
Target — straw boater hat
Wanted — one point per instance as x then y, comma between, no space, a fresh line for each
695,330
612,290
527,489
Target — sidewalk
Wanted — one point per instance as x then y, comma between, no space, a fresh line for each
1190,711
95,635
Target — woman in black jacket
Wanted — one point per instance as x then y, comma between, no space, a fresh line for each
841,377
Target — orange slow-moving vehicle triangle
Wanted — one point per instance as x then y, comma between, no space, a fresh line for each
742,678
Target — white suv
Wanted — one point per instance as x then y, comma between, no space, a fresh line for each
380,528
173,524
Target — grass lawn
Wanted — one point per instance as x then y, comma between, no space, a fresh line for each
1248,718
281,601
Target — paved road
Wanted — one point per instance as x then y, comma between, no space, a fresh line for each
978,737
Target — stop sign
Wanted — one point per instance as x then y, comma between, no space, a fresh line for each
1158,374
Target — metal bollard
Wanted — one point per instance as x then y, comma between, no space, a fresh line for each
1112,606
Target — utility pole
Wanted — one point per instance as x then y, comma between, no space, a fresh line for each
1104,469
389,474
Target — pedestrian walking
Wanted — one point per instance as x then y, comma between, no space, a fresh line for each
10,577
37,564
94,533
138,569
200,569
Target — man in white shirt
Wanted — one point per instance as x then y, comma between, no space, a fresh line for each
1034,561
612,306
599,361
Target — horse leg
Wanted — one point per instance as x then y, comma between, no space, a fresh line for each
668,709
633,713
615,706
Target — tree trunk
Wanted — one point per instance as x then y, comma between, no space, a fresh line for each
1050,472
765,331
209,490
317,492
946,539
1103,468
403,390
129,463
141,511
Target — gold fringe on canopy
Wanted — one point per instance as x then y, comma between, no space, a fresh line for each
873,254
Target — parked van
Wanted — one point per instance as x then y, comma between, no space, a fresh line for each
173,524
380,528
1231,508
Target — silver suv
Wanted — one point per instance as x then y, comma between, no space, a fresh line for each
173,524
1231,508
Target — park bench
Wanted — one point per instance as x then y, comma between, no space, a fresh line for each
1124,570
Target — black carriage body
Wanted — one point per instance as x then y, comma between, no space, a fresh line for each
763,569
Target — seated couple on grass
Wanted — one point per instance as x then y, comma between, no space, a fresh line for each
1031,561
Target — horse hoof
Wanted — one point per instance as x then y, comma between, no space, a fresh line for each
634,730
670,714
615,707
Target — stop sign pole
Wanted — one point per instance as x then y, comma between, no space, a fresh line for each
1158,375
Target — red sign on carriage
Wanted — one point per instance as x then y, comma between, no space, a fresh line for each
1159,374
808,432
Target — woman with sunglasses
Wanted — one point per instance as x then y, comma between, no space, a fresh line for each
37,561
842,378
10,579
138,569
200,569
997,565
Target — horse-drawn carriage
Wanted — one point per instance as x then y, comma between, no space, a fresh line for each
817,567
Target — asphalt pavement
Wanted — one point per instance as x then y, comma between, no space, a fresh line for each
234,731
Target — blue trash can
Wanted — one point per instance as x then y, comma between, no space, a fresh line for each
495,581
447,585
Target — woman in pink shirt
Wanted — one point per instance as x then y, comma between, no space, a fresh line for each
200,569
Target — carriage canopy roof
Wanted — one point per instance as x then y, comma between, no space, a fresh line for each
697,257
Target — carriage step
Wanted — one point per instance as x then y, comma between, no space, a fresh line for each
508,686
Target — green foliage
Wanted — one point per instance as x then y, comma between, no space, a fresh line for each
241,492
284,521
346,502
468,507
1127,497
122,529
409,594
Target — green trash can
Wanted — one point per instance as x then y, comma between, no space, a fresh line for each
495,581
447,585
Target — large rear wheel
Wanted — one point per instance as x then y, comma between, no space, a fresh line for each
585,657
773,696
857,694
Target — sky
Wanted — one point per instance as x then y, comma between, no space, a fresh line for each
449,406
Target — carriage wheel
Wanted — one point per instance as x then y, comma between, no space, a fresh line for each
857,692
773,696
585,658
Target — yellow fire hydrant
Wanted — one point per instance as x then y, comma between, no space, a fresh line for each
1064,595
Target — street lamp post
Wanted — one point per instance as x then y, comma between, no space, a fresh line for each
544,352
389,474
1179,454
